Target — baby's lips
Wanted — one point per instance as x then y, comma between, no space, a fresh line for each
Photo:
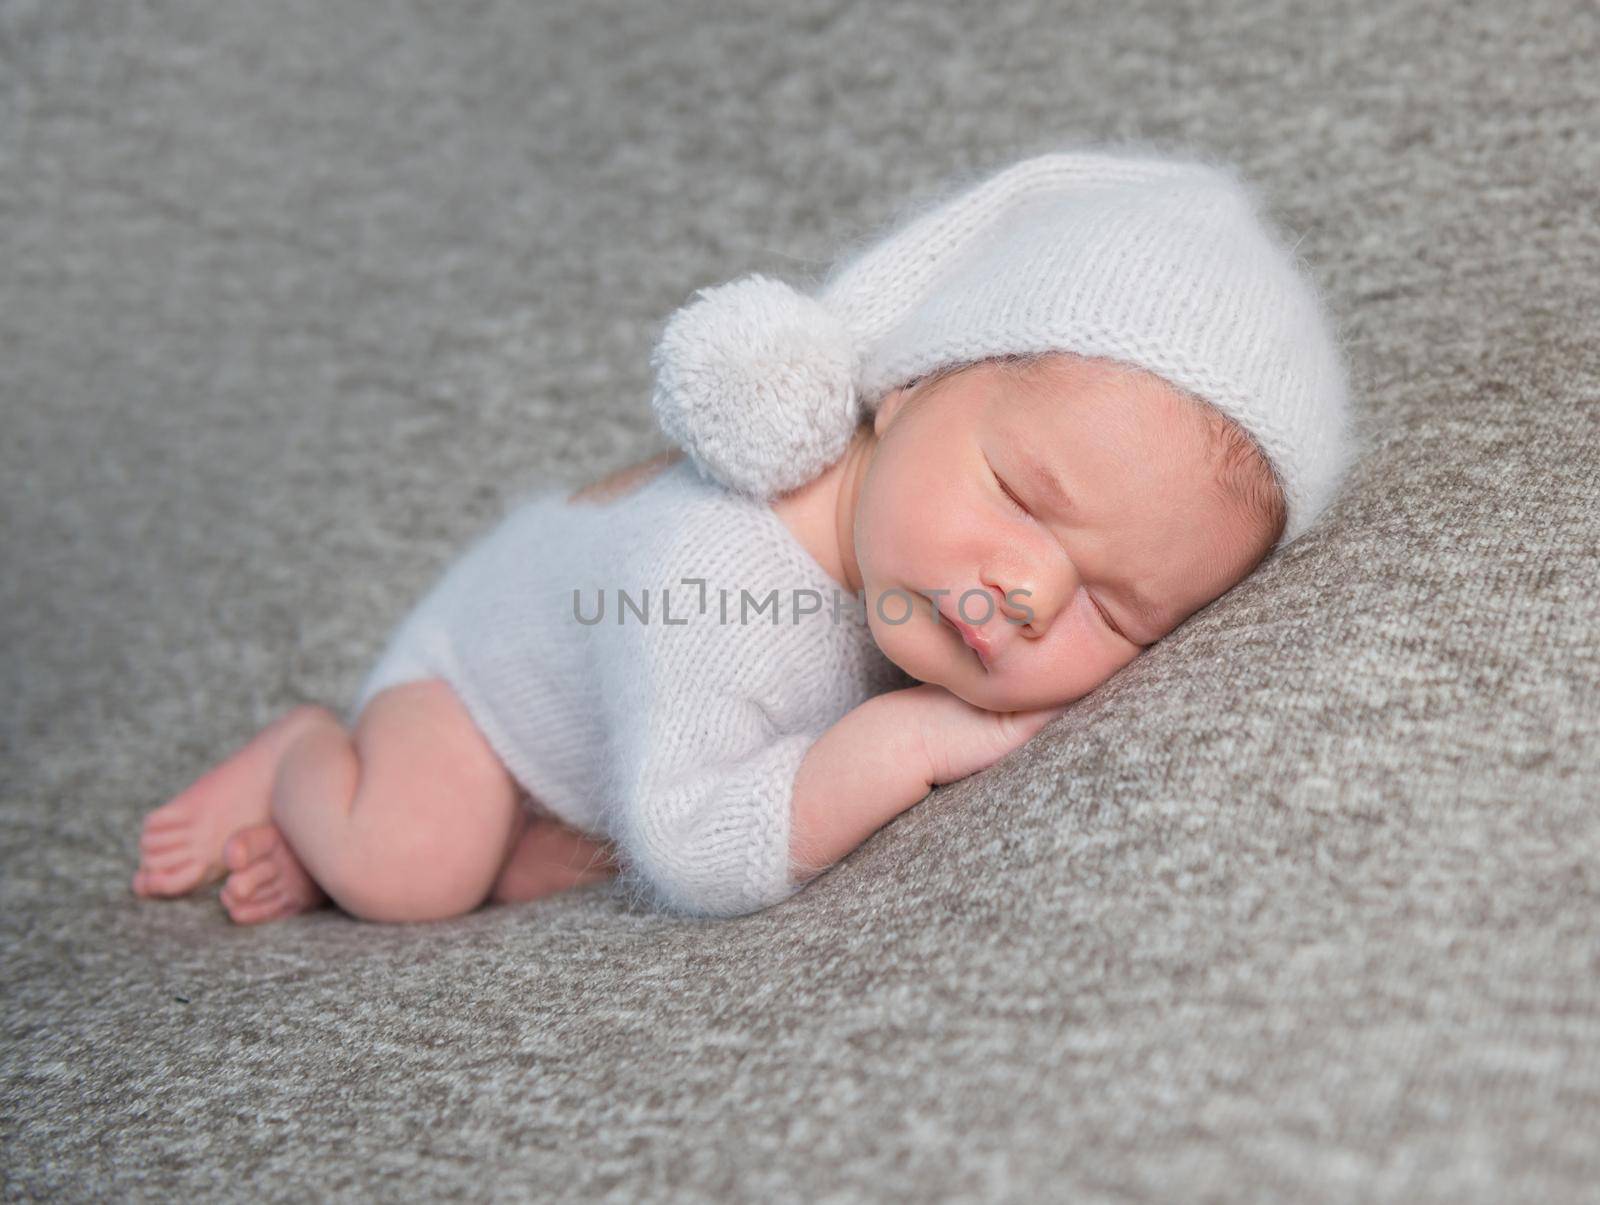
975,638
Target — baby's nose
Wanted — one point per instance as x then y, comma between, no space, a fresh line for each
1019,612
1030,605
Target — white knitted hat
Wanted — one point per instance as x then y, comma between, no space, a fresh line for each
1155,262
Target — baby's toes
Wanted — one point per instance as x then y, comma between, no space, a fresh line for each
153,856
141,882
251,844
267,904
254,880
153,846
168,878
175,812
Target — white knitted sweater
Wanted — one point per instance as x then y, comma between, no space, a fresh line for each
674,725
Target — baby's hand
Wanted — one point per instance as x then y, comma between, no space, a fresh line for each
960,739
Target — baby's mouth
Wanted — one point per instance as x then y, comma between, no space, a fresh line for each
976,638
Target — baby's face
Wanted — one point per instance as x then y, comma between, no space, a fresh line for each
958,497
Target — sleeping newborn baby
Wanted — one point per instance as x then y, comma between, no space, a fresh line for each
1004,449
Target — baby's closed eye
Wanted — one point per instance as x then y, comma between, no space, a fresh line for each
1010,495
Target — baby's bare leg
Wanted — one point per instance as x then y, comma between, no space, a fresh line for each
548,856
409,820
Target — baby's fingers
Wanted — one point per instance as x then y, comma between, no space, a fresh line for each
1023,726
974,739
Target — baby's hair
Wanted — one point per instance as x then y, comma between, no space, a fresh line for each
1244,474
1244,477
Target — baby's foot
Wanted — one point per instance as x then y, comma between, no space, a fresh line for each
267,881
181,845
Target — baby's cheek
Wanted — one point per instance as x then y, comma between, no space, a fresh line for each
906,644
1077,654
1087,626
1115,649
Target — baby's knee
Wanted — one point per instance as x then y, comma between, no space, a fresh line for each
303,717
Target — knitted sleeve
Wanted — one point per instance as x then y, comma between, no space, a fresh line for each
709,836
706,729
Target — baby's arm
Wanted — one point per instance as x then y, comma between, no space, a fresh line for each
883,757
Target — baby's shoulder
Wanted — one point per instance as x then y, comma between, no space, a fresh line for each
680,516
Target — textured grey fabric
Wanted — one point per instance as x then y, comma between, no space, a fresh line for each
1304,905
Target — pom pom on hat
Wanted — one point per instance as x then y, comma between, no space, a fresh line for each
756,382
